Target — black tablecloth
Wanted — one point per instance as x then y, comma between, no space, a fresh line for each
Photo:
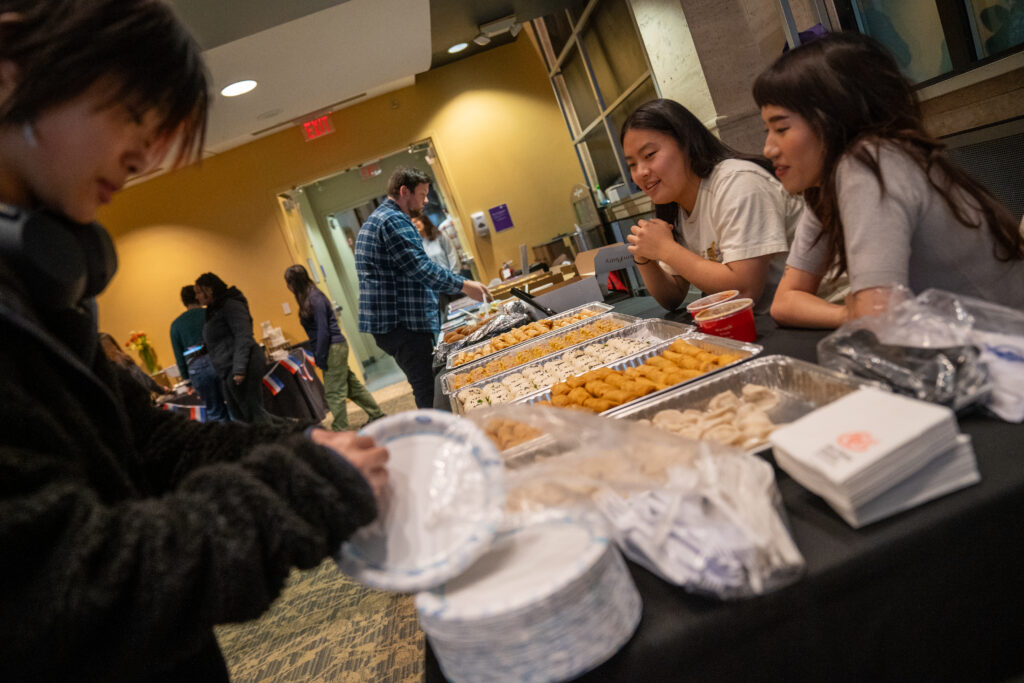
302,393
932,594
289,390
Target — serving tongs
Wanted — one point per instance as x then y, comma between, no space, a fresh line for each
520,294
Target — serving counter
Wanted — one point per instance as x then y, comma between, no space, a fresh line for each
932,594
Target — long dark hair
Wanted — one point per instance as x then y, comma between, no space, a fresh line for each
299,284
218,287
428,226
851,92
64,47
703,150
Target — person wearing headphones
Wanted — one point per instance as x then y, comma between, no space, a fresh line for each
126,532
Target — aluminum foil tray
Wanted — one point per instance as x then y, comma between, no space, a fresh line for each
703,341
657,329
448,379
802,387
598,306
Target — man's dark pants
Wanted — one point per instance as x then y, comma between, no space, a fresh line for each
413,351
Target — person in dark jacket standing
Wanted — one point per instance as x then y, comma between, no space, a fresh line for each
126,532
237,358
330,349
192,358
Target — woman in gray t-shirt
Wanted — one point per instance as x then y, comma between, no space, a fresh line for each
885,203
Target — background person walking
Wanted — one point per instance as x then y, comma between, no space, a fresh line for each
330,350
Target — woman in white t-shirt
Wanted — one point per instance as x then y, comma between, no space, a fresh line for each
885,204
438,247
722,221
441,251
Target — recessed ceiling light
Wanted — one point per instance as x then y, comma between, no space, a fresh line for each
458,47
239,88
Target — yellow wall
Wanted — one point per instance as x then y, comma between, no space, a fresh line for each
499,135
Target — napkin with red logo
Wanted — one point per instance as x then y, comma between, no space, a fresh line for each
872,454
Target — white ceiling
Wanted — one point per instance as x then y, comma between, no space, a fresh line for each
311,64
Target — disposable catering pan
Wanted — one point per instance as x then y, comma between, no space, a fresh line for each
657,330
598,307
704,342
448,378
802,387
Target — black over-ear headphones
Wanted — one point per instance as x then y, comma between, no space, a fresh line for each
59,261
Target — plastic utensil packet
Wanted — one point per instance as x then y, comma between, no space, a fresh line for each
701,515
918,347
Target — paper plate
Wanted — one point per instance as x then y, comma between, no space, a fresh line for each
526,566
445,502
549,601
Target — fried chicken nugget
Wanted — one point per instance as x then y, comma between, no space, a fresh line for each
659,362
619,396
598,388
673,356
560,389
598,405
685,348
579,395
575,381
616,379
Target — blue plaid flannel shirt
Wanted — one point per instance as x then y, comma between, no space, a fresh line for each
397,280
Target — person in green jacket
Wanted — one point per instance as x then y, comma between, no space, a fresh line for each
192,357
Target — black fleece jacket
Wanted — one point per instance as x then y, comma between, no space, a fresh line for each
126,532
227,333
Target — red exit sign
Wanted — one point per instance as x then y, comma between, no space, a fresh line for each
317,128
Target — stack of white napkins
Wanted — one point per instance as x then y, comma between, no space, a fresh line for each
872,454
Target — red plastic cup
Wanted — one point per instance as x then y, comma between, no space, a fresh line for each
710,300
733,319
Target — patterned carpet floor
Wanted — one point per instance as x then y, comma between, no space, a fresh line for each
325,627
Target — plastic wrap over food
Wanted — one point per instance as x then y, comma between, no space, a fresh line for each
701,515
509,316
917,348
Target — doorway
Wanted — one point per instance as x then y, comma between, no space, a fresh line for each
334,209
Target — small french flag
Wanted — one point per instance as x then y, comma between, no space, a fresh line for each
168,406
309,357
275,385
197,413
289,363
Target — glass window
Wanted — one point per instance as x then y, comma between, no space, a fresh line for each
576,9
997,26
603,156
911,30
559,31
577,82
644,93
614,49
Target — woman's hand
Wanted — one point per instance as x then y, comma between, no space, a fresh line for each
238,379
364,454
650,238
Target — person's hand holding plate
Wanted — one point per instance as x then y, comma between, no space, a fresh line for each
364,454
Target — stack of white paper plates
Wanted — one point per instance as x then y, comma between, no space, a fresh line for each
445,503
550,601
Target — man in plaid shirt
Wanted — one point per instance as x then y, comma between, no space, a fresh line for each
398,283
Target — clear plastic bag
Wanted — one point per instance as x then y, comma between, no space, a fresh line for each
922,347
698,514
998,332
